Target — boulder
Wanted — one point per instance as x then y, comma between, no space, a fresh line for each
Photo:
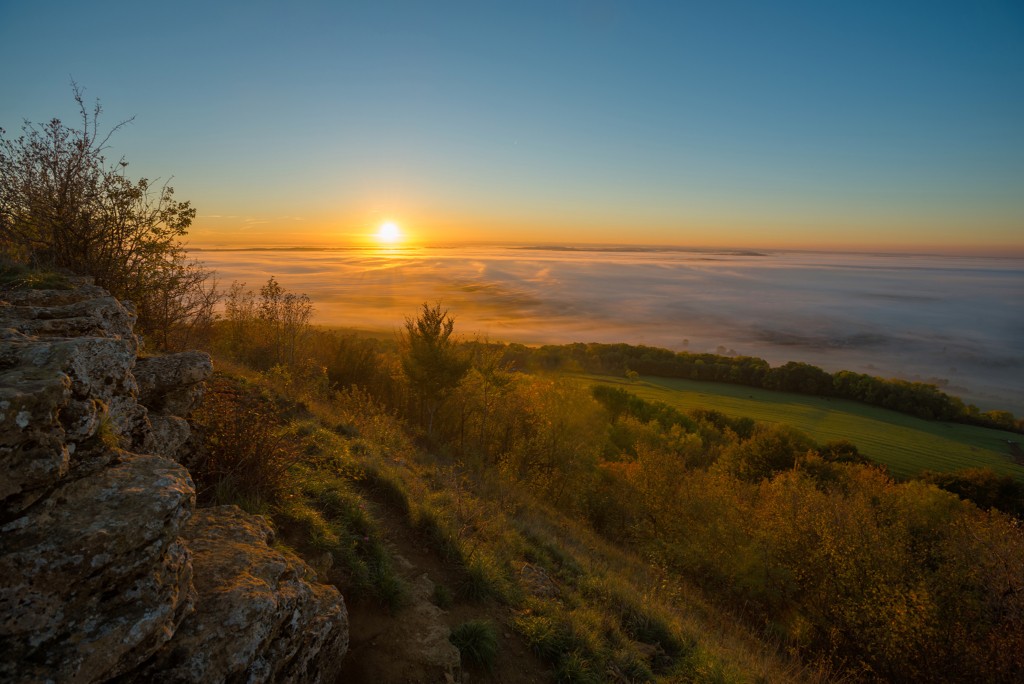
168,437
263,618
33,450
94,578
172,384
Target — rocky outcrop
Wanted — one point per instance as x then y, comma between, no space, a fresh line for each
106,571
172,384
170,387
94,578
263,620
59,391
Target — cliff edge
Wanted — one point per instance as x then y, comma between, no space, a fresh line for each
107,570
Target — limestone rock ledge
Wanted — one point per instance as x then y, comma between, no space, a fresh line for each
94,578
262,620
107,572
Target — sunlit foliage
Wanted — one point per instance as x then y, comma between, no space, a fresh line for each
64,205
812,545
432,362
266,328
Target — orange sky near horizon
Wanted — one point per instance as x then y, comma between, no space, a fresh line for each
871,126
823,233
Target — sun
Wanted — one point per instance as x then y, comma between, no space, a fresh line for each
389,232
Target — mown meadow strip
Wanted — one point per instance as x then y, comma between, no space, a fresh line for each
905,444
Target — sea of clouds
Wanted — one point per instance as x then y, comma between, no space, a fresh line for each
954,321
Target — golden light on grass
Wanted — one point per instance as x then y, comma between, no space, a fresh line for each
389,233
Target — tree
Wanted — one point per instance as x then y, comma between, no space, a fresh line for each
268,331
285,317
983,486
769,450
239,321
63,205
430,360
180,310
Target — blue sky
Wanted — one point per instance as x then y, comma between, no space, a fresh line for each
852,125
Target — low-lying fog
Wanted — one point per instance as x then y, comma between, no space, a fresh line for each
954,321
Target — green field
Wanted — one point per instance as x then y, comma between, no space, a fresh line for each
907,445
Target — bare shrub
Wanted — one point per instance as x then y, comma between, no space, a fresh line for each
245,456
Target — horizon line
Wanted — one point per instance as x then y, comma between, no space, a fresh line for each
610,247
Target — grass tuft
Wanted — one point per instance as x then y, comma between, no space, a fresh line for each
632,666
549,637
477,641
437,537
480,581
575,668
650,629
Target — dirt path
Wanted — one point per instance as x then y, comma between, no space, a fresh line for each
406,647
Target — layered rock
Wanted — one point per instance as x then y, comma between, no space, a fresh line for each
170,387
262,619
62,385
94,578
105,573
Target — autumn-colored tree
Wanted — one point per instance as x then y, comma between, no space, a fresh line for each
64,205
285,318
266,330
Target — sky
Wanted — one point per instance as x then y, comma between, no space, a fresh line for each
810,125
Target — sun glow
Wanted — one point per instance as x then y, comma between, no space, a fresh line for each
389,233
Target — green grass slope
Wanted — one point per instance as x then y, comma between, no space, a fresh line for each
905,444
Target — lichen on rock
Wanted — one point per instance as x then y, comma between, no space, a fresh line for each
106,570
93,578
262,618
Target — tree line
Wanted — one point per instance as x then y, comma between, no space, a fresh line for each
918,399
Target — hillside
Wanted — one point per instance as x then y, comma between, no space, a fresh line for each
482,524
618,535
402,525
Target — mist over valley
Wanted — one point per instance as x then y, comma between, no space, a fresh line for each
949,320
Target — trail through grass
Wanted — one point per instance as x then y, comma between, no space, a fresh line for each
587,609
907,445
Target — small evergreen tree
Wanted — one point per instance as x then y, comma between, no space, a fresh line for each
431,361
